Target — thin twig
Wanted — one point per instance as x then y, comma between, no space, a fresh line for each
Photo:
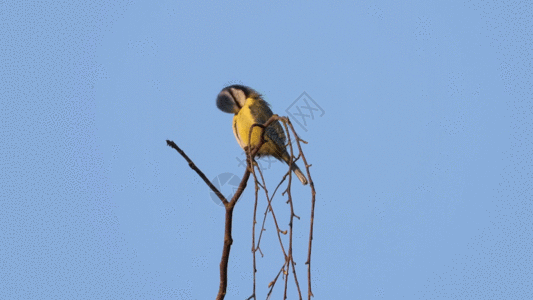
253,235
200,173
267,209
273,214
273,282
313,198
291,220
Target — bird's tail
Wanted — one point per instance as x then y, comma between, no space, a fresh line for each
299,174
286,158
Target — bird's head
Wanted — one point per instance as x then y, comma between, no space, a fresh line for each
232,98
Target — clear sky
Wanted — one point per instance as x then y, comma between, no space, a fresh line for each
421,148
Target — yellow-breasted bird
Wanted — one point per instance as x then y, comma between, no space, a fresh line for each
249,107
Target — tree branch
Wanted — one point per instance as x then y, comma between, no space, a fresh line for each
230,205
200,173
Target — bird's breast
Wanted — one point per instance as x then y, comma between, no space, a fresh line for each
241,127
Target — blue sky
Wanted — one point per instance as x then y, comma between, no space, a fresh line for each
421,149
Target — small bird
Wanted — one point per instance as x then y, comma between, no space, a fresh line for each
249,107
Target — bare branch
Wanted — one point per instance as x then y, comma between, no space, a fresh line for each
200,173
313,199
273,214
251,153
291,220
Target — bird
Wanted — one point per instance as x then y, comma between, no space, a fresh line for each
249,107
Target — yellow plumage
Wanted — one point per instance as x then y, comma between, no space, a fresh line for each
249,108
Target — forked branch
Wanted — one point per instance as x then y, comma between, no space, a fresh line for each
229,205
